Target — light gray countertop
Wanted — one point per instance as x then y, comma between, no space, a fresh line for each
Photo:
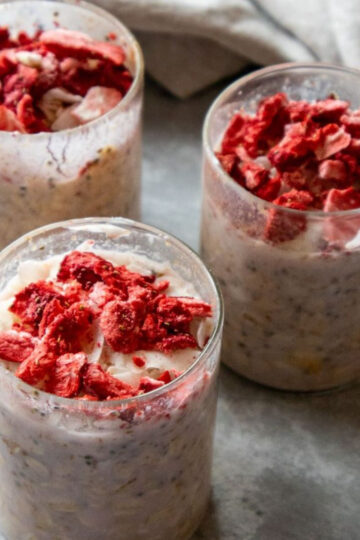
286,466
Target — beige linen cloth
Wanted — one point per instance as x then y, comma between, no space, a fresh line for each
189,44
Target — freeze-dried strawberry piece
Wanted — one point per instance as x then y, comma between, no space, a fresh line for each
176,342
342,199
303,176
254,138
101,294
329,140
77,77
133,278
196,308
5,41
254,175
65,332
120,322
298,200
147,384
173,312
37,365
152,330
352,150
293,150
228,161
341,230
284,226
169,375
27,116
334,171
298,111
30,303
98,101
87,268
51,310
66,43
270,106
272,111
18,84
270,190
328,110
101,384
351,121
65,377
73,292
138,361
117,77
233,135
16,346
7,62
9,121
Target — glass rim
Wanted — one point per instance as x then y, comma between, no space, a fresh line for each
123,103
238,84
130,224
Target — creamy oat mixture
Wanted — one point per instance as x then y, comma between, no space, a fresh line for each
138,470
289,280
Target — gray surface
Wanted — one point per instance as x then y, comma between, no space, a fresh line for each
286,465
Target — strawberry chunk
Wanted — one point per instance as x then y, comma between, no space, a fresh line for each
102,385
341,230
16,346
176,342
342,199
254,175
27,117
37,365
97,102
52,309
333,172
138,361
9,121
328,110
87,268
66,43
65,378
120,322
233,135
329,140
18,84
68,329
147,384
351,122
270,190
29,304
284,226
169,375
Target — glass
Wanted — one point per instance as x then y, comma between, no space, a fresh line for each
292,308
91,170
138,468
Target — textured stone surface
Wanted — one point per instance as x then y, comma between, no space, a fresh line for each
286,465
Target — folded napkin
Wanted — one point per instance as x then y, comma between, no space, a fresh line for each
189,44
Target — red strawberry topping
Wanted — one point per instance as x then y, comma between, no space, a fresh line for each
131,311
313,151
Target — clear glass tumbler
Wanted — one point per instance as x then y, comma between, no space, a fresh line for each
292,308
138,468
91,170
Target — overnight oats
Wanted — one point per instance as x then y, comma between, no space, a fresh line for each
109,343
71,78
281,224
